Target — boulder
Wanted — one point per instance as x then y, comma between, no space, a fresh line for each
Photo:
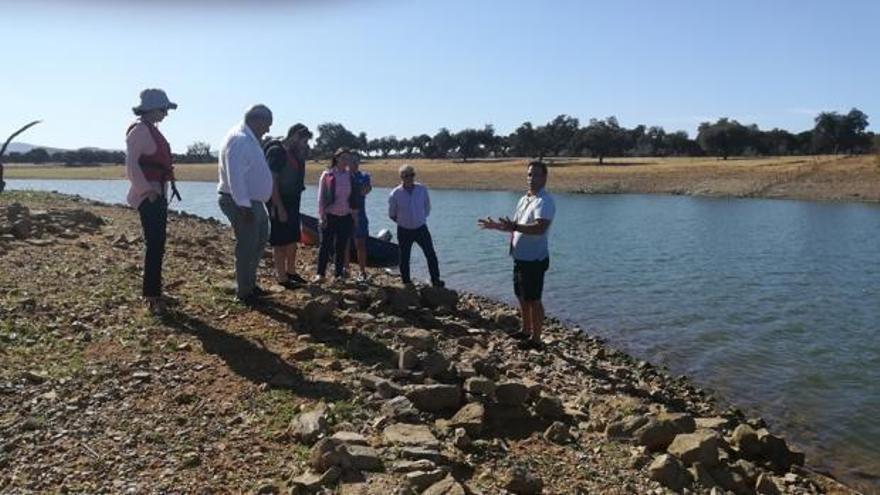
350,438
745,439
669,472
549,407
327,453
317,311
434,364
712,423
435,297
364,458
417,338
659,431
683,422
308,426
402,299
480,386
311,482
767,485
419,480
696,447
511,393
521,481
776,452
625,427
400,408
409,434
446,486
435,398
470,417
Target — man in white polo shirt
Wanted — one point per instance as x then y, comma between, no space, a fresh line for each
529,248
245,185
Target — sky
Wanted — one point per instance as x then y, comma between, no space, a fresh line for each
406,67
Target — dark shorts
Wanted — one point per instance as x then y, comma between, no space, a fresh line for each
363,227
284,233
528,278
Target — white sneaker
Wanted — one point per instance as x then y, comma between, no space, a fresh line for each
319,279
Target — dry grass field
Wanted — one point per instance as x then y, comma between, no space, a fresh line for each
799,177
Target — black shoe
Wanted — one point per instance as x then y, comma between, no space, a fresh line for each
531,344
259,292
295,278
249,300
438,283
519,335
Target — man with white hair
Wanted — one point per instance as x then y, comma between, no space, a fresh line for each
409,207
245,185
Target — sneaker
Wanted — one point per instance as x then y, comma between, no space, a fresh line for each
250,300
296,278
319,279
520,335
362,278
530,344
259,291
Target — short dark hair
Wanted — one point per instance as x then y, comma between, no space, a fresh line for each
538,164
299,128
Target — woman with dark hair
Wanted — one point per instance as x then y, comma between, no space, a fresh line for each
149,169
335,201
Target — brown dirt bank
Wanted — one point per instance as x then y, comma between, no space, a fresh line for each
806,177
422,392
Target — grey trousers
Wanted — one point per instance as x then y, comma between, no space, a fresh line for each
250,242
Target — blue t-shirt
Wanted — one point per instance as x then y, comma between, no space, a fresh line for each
359,181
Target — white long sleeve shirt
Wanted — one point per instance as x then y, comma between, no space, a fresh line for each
409,209
243,171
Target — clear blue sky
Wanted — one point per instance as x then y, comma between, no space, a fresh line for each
406,67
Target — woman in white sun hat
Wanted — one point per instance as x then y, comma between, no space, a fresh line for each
148,166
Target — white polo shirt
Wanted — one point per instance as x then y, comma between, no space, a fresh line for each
531,247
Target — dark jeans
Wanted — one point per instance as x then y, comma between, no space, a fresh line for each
154,220
422,237
335,235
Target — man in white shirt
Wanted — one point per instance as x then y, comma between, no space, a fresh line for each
409,207
530,251
245,184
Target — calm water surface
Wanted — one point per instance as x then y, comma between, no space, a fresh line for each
775,304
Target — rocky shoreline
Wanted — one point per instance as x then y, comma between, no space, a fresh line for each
339,388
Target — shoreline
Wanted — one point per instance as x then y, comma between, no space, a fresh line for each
811,178
312,330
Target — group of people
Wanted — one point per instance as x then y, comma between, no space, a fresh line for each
260,190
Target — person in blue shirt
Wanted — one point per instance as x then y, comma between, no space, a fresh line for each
528,247
361,186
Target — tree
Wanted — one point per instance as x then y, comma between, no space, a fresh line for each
332,136
443,142
559,134
422,142
363,144
199,151
469,141
835,133
602,138
723,138
36,155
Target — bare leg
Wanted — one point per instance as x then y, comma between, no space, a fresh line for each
526,314
291,259
361,245
537,314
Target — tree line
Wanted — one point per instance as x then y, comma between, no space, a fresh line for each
832,133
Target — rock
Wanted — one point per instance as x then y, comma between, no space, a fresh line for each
549,407
696,447
767,485
364,458
431,454
486,366
435,398
471,417
523,482
435,297
775,450
713,423
400,408
407,358
419,480
409,434
479,385
434,364
318,311
683,422
21,229
388,389
303,354
701,475
731,479
669,472
350,438
557,432
461,440
410,466
745,439
446,486
327,453
310,482
402,299
506,319
36,377
307,427
659,432
417,338
511,393
626,426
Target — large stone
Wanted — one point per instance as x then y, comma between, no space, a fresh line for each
479,385
327,453
625,427
350,438
307,427
364,458
407,358
745,438
435,297
434,364
417,338
767,485
470,417
435,398
408,434
696,447
712,423
511,393
549,407
557,432
669,472
659,431
683,422
523,482
776,452
419,453
419,480
311,482
402,299
446,486
317,311
400,408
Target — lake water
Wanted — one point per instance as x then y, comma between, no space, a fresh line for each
775,304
